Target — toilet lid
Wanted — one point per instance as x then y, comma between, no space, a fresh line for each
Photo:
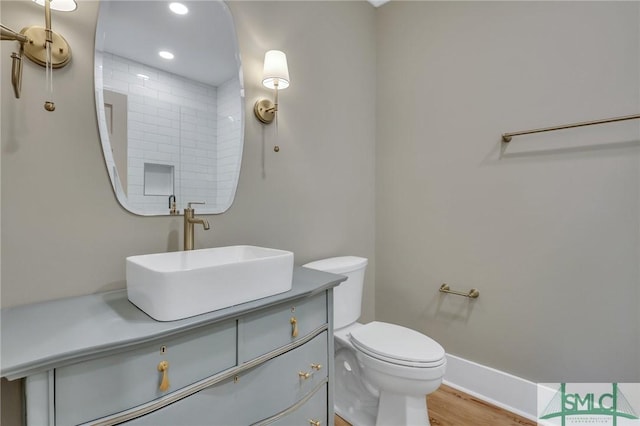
397,344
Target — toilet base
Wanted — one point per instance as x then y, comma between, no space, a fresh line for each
370,392
394,409
354,401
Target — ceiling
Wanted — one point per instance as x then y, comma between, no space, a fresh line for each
208,58
137,30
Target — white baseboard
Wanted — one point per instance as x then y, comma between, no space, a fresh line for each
496,387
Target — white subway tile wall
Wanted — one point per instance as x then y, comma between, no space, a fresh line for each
178,122
229,152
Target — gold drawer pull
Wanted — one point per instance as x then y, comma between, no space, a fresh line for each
294,327
315,422
303,375
163,367
316,367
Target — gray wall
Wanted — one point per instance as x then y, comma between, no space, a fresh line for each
63,232
547,229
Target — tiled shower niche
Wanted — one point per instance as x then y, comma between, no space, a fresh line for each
183,130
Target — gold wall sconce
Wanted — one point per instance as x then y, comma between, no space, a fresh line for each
275,76
41,45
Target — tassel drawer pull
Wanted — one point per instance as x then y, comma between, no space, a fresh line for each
294,327
316,367
163,367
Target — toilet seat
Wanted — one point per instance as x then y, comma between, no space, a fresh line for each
397,345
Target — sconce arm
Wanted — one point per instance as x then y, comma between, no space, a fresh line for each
275,103
16,58
47,22
8,34
42,45
16,72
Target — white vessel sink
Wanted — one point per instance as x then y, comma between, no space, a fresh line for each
172,286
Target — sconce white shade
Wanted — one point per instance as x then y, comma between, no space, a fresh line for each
275,69
61,5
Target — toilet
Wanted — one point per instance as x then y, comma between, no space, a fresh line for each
382,371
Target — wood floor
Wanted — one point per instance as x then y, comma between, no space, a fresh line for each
449,407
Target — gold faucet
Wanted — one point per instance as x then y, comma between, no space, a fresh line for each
189,220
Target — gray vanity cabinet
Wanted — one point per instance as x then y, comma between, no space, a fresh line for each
268,361
99,387
260,395
310,411
279,325
218,404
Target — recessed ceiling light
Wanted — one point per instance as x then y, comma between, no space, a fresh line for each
166,55
178,8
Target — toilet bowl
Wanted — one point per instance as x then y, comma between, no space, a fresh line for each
382,371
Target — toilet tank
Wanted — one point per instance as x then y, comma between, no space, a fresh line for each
347,297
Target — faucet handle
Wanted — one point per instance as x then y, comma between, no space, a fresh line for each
194,202
172,206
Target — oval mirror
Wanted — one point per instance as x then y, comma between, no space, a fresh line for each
169,101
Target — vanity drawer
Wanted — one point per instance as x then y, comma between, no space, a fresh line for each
312,412
277,326
286,379
253,395
216,405
88,390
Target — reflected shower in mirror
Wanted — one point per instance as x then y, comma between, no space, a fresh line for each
169,102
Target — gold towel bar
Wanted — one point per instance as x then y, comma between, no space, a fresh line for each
506,137
472,294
